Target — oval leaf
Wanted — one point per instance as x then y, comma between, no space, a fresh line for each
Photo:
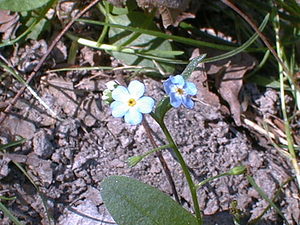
131,202
21,5
161,109
152,46
192,66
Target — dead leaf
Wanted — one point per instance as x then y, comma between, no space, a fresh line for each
230,86
173,4
171,11
8,23
228,75
173,16
118,3
199,77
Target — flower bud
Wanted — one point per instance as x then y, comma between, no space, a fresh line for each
134,160
107,96
238,170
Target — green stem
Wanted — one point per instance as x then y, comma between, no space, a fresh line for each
134,160
105,27
238,170
156,150
185,169
7,213
288,131
210,179
265,196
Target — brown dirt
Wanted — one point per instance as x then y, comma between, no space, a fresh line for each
68,158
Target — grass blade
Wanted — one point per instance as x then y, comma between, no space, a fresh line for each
242,47
9,215
22,81
265,196
180,39
11,144
31,27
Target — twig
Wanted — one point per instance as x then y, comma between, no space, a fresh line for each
162,160
38,66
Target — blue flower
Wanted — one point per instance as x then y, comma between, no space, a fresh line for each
130,102
180,91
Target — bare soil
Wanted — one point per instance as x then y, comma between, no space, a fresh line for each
68,158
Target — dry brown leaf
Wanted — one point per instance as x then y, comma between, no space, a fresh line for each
230,86
8,23
173,4
173,16
229,74
118,3
171,11
199,77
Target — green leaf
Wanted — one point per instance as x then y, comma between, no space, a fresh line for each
13,143
184,40
161,109
271,82
149,44
242,47
131,202
192,66
32,26
7,213
21,5
265,196
38,29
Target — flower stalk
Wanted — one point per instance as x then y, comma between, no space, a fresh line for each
238,170
134,160
287,127
185,169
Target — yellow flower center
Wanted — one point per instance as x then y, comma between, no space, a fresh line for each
180,91
131,102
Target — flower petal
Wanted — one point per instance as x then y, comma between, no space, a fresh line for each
133,117
168,86
136,89
175,100
111,85
121,94
145,104
119,109
190,88
178,80
187,102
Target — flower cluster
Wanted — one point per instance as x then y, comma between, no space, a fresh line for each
131,104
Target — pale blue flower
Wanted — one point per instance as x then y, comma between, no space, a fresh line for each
130,102
180,91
